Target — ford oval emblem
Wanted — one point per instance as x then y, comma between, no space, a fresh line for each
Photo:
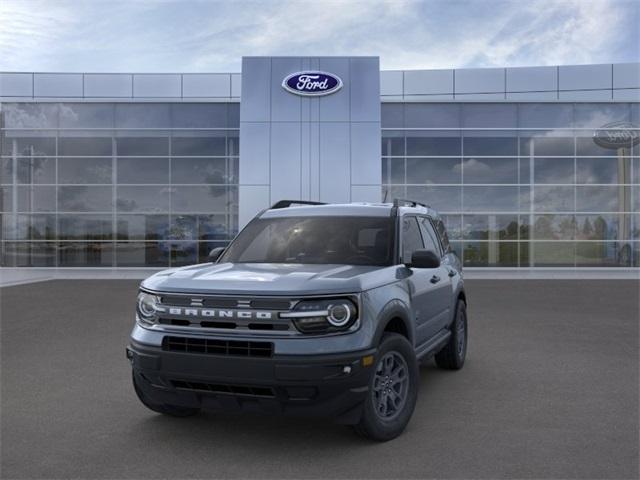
312,84
617,135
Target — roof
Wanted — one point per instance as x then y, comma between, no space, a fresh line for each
356,209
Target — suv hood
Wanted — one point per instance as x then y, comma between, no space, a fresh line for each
270,279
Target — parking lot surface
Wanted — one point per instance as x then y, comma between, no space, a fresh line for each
550,390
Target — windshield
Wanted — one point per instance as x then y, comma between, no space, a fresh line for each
338,240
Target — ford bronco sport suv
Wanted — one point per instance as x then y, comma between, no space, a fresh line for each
313,309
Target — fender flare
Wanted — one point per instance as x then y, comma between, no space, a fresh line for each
394,309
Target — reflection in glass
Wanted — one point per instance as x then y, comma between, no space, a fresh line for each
603,226
554,227
200,170
142,146
35,170
541,145
490,170
143,199
481,145
434,170
553,199
604,254
392,144
36,199
29,254
80,254
213,145
85,227
443,199
85,146
85,170
139,254
487,199
553,170
138,170
603,198
426,144
603,170
18,143
490,254
142,227
490,227
84,199
203,199
552,254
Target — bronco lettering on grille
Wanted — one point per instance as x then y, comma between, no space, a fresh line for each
216,313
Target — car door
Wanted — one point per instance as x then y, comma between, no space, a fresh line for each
421,287
442,286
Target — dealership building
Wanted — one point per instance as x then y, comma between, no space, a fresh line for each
530,167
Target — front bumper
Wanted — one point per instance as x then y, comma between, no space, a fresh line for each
310,385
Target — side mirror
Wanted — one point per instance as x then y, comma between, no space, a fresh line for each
424,259
214,254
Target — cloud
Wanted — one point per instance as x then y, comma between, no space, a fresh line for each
197,35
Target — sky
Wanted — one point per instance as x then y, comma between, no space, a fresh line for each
212,36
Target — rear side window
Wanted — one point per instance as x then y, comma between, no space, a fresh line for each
429,236
411,238
444,238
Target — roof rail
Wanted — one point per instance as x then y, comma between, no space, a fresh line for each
288,203
401,202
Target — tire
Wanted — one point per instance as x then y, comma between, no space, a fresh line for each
386,415
453,354
165,409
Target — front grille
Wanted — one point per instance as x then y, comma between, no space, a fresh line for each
216,302
217,347
248,390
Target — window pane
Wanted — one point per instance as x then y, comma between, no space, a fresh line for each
86,115
554,170
587,147
429,115
85,199
142,146
487,199
486,145
484,115
553,199
203,199
545,115
434,170
29,227
12,144
84,170
36,199
79,254
546,146
490,170
598,114
554,227
490,254
200,170
453,224
148,115
424,143
143,199
603,254
79,146
36,170
443,199
601,198
130,254
490,227
411,238
392,115
200,115
143,170
199,146
85,227
604,226
553,254
392,144
183,253
603,170
25,254
30,115
142,227
429,237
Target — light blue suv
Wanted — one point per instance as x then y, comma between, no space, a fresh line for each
313,309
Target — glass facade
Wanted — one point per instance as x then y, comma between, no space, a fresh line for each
520,185
117,184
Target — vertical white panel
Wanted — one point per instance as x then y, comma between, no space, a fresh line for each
254,150
366,193
285,160
256,89
252,199
365,153
335,107
365,89
335,179
285,107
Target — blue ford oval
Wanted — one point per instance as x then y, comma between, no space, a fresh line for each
312,83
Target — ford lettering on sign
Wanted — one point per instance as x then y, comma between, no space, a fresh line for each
617,135
312,84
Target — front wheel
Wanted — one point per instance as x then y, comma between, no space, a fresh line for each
452,356
171,410
393,390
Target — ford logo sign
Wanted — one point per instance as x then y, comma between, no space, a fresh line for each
312,84
617,135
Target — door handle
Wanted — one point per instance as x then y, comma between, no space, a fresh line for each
435,279
452,273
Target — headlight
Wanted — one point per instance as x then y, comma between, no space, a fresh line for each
323,316
147,307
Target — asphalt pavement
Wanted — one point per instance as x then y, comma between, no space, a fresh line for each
550,390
